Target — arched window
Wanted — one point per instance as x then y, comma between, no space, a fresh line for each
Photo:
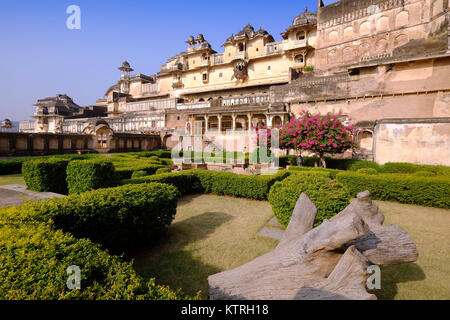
241,47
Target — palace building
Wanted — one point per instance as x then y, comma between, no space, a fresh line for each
385,64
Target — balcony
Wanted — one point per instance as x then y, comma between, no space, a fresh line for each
241,55
190,106
26,126
177,84
297,44
177,67
246,100
217,59
150,88
274,48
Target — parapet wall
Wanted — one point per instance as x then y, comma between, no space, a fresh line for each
30,144
420,141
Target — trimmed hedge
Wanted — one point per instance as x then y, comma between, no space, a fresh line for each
329,196
331,173
87,175
46,175
125,170
15,165
119,218
221,183
431,192
138,174
370,171
409,168
163,170
186,182
34,259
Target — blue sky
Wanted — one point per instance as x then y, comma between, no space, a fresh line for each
40,57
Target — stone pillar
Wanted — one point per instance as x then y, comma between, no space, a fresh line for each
269,119
219,118
234,122
249,121
206,123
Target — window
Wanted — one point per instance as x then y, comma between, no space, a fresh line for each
301,35
220,75
195,78
257,49
241,47
205,77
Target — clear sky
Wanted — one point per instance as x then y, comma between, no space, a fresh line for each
40,56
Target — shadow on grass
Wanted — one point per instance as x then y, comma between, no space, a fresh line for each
392,275
171,263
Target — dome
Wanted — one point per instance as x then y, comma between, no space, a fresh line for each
126,67
305,18
7,124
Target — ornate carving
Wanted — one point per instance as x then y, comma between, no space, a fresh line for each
240,70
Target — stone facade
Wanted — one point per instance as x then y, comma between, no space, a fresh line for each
370,59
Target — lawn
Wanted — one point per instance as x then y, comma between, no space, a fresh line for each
11,179
212,234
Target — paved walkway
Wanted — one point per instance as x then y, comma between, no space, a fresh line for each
15,195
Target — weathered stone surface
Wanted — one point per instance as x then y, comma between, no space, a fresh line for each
14,195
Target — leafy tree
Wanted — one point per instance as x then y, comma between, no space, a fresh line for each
320,134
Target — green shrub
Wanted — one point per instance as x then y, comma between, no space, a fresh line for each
289,160
120,218
431,192
424,173
370,171
221,183
409,168
163,170
186,182
138,174
331,173
12,166
34,259
86,175
125,170
329,196
45,175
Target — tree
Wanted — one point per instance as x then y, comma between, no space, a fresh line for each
320,134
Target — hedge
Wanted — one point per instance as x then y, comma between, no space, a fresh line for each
15,165
163,170
331,173
119,218
431,192
186,182
125,170
329,196
138,174
46,175
221,183
34,259
409,168
86,175
371,171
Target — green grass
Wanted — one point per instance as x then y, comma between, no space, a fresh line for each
427,278
212,234
11,179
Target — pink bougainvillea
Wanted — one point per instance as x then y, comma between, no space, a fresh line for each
321,134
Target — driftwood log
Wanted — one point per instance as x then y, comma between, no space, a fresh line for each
327,262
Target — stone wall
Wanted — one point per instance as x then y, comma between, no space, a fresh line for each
420,141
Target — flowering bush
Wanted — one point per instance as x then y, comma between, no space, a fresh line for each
320,134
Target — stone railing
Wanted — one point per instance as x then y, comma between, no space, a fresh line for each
245,100
26,126
217,58
274,48
150,88
150,105
198,105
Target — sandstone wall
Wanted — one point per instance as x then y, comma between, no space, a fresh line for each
421,141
